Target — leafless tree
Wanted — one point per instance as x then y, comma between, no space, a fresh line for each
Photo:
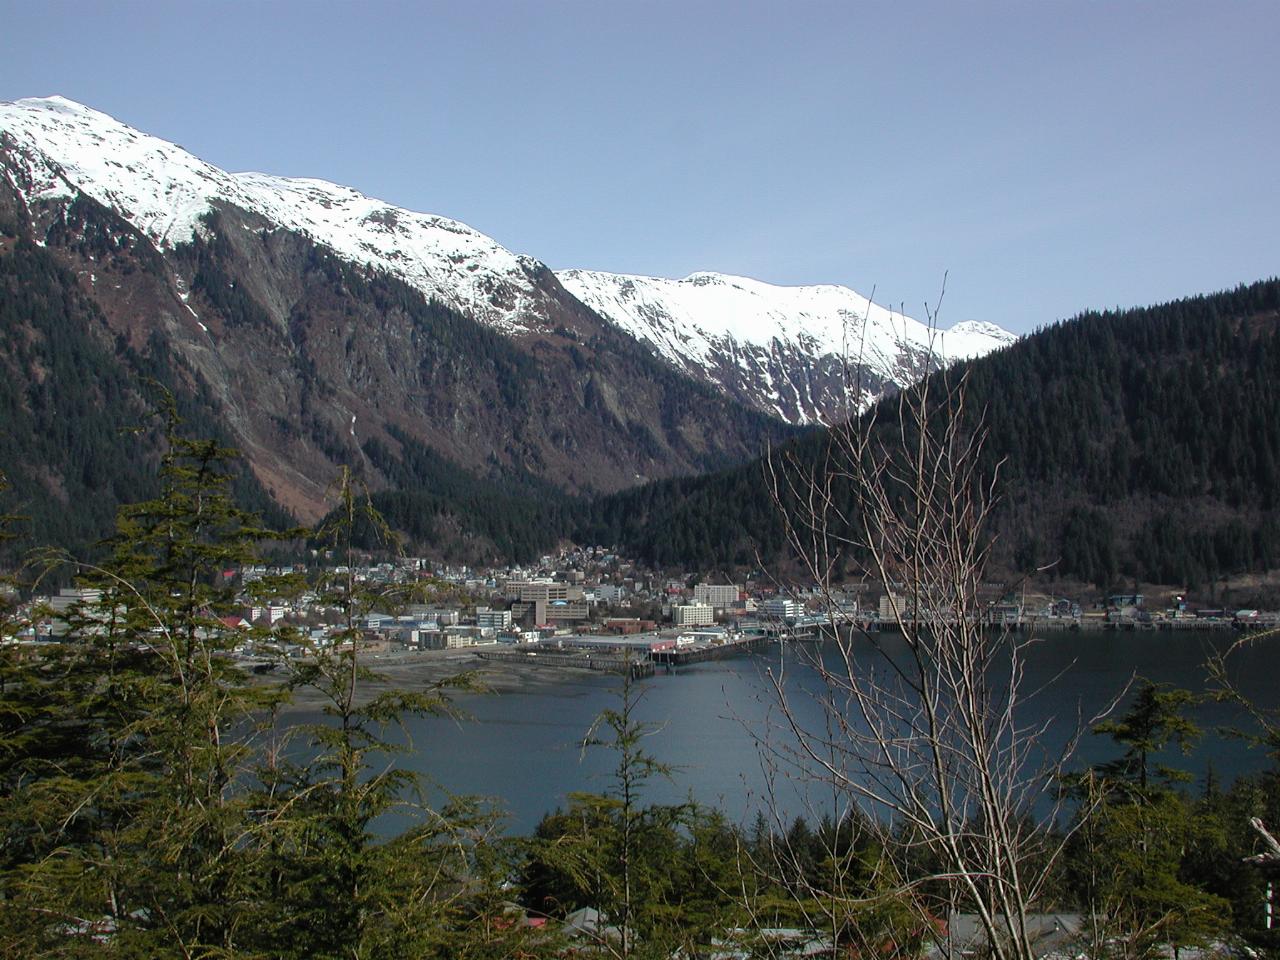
920,726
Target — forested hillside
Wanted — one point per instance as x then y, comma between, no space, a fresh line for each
1134,444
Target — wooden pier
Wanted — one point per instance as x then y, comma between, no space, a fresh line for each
805,631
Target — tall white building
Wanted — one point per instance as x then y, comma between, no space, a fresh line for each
610,593
717,595
693,615
496,619
781,608
892,607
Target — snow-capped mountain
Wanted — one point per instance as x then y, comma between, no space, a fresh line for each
784,350
315,327
165,191
801,353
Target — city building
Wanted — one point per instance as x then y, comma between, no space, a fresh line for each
782,608
610,593
693,615
73,602
720,596
531,591
497,619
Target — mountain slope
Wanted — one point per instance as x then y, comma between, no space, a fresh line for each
779,350
803,354
311,323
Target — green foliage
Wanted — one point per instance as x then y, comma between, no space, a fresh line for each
1127,860
339,888
680,878
1136,885
1156,718
436,501
839,879
151,806
612,852
123,821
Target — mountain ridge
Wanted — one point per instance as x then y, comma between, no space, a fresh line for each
806,354
1137,445
164,191
773,350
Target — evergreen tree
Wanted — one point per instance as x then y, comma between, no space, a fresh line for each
1136,829
619,855
1157,718
148,807
338,888
128,737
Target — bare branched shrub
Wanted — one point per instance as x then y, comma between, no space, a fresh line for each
916,727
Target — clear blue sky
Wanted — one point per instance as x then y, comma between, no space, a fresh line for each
1050,156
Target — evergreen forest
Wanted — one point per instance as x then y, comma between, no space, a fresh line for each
1131,445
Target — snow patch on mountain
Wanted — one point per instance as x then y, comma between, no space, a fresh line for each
164,191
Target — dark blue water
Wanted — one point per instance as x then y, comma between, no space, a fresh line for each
718,725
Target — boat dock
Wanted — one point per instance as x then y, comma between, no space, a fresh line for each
640,656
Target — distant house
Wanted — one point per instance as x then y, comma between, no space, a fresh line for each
588,924
1122,600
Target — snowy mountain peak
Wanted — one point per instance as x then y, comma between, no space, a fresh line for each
57,102
792,340
164,191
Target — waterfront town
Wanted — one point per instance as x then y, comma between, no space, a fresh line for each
589,608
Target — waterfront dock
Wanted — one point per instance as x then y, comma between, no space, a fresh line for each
700,652
641,663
